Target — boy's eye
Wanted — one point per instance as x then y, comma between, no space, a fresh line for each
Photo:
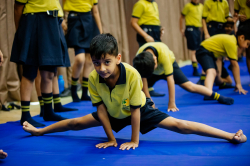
107,62
96,63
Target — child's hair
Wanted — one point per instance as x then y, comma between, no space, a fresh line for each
244,30
144,64
230,21
103,44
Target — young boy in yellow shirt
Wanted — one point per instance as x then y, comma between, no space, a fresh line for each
192,13
211,51
115,90
154,61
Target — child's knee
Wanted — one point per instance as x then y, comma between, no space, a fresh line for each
80,59
212,72
183,126
73,124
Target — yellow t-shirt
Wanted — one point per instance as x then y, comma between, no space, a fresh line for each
79,5
165,57
222,45
241,7
60,12
193,14
214,10
147,13
37,6
126,94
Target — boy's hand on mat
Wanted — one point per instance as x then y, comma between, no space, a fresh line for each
106,144
1,58
149,39
239,89
172,107
128,145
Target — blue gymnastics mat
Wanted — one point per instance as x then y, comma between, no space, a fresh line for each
158,147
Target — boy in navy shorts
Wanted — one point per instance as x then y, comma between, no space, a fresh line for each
192,12
115,90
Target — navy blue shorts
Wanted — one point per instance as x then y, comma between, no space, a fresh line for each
150,118
179,76
215,28
193,36
224,72
153,30
30,72
206,59
82,29
39,42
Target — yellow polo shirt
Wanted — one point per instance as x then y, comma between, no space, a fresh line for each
37,6
165,57
79,5
147,12
216,10
222,45
193,14
126,94
241,7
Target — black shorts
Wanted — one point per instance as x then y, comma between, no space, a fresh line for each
224,72
153,30
193,36
179,76
206,59
215,28
30,72
38,41
82,29
150,118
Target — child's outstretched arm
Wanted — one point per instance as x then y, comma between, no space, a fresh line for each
171,92
1,58
96,15
103,116
204,25
236,74
181,25
18,11
135,123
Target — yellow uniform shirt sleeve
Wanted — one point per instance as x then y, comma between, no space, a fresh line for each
95,97
205,10
135,95
236,5
95,2
60,12
138,10
185,10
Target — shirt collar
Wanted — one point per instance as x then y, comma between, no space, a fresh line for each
195,3
154,50
121,79
216,0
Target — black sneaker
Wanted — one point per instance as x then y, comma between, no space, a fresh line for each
155,94
66,93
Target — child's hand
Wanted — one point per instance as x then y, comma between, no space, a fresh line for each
128,145
207,36
106,144
172,107
1,58
242,17
162,32
239,89
183,32
64,25
149,39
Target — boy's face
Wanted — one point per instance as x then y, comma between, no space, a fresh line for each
195,1
105,67
228,28
242,42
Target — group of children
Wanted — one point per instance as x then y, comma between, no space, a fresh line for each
120,92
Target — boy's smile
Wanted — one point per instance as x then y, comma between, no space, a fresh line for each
107,67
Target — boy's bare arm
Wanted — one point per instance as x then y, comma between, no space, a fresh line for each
103,116
204,25
18,11
181,25
137,28
135,124
236,74
1,58
171,91
96,15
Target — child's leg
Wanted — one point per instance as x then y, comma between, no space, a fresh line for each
194,63
87,69
195,88
76,71
248,59
189,127
39,93
84,122
210,77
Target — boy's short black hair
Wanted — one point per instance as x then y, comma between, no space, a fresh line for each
103,44
244,30
144,63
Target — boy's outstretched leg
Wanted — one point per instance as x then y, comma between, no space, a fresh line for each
194,88
189,127
84,122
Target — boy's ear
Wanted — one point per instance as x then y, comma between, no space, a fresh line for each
119,59
242,37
